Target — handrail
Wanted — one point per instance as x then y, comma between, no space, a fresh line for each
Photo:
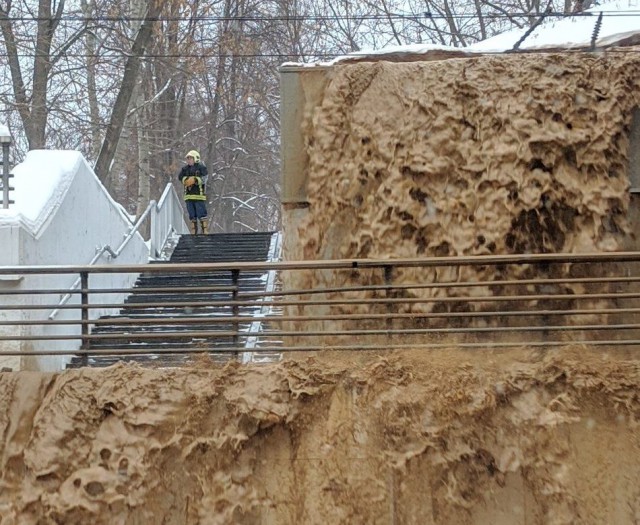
366,304
133,230
168,193
338,264
354,332
600,307
105,249
356,347
168,219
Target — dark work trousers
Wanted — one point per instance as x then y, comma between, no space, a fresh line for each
196,209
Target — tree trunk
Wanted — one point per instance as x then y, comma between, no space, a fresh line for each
144,167
19,89
456,36
483,26
88,10
119,113
34,118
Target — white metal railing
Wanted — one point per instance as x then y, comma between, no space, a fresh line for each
167,218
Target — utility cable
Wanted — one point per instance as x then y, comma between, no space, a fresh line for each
315,18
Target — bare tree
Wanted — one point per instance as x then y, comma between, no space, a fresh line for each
32,104
91,46
119,113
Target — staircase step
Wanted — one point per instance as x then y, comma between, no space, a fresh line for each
195,280
223,247
178,343
186,308
191,288
167,328
155,360
140,298
222,277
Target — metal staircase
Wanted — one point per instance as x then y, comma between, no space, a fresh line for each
161,296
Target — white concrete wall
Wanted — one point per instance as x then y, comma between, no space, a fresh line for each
9,242
82,219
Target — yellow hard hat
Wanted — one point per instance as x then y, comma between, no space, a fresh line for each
193,153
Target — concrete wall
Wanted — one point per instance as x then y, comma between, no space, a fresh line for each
83,219
9,237
301,91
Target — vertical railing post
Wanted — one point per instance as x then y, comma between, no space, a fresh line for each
5,138
235,278
84,315
154,241
388,279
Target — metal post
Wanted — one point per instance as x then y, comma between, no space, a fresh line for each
388,280
84,315
5,170
154,242
235,277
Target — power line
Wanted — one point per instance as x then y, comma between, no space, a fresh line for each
312,56
317,18
308,56
124,54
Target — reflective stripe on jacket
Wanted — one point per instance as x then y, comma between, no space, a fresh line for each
197,191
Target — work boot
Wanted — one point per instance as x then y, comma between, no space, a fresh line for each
204,224
194,227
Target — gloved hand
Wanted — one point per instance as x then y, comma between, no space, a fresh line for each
189,181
